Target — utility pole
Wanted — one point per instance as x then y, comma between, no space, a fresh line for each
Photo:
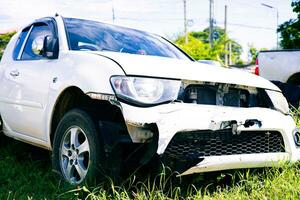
225,31
211,22
277,28
277,16
230,53
185,22
113,12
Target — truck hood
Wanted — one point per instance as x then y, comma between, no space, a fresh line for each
155,66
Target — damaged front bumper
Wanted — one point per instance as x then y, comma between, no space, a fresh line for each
236,145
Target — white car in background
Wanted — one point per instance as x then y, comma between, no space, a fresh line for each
211,62
101,96
282,67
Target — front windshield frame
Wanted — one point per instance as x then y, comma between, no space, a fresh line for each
172,48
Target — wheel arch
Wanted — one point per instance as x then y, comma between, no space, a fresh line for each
110,122
57,112
73,97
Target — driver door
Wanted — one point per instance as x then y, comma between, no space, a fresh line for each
29,77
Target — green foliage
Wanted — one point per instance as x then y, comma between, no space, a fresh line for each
25,172
195,48
296,7
253,54
4,39
199,48
290,30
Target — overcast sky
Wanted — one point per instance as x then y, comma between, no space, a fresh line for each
248,21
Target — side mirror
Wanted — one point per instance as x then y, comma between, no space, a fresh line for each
50,47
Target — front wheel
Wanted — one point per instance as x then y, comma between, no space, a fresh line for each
77,148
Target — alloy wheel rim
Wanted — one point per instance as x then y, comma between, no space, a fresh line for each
74,155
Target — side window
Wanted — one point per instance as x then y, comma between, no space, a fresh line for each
34,44
20,42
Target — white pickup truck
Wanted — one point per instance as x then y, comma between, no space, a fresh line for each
283,68
281,65
101,96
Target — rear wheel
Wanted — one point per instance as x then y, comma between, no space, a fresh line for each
78,151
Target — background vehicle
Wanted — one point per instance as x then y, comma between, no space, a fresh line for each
211,62
281,65
283,68
102,96
250,68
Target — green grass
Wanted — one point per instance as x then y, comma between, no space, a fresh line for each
25,173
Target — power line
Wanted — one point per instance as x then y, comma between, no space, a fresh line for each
194,19
245,3
152,20
249,26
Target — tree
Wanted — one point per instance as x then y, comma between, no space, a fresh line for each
199,48
4,39
290,30
253,53
195,48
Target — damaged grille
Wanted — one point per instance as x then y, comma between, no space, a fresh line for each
195,144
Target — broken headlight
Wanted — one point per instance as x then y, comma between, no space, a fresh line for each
279,101
145,91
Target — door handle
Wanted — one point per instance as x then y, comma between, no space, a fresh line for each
14,73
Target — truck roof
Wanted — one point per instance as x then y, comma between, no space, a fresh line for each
281,50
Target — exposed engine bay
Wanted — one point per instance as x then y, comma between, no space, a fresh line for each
208,93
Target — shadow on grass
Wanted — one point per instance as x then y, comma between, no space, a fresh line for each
23,152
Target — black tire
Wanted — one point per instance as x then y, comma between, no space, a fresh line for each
91,163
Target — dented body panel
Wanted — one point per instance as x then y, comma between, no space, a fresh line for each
186,70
